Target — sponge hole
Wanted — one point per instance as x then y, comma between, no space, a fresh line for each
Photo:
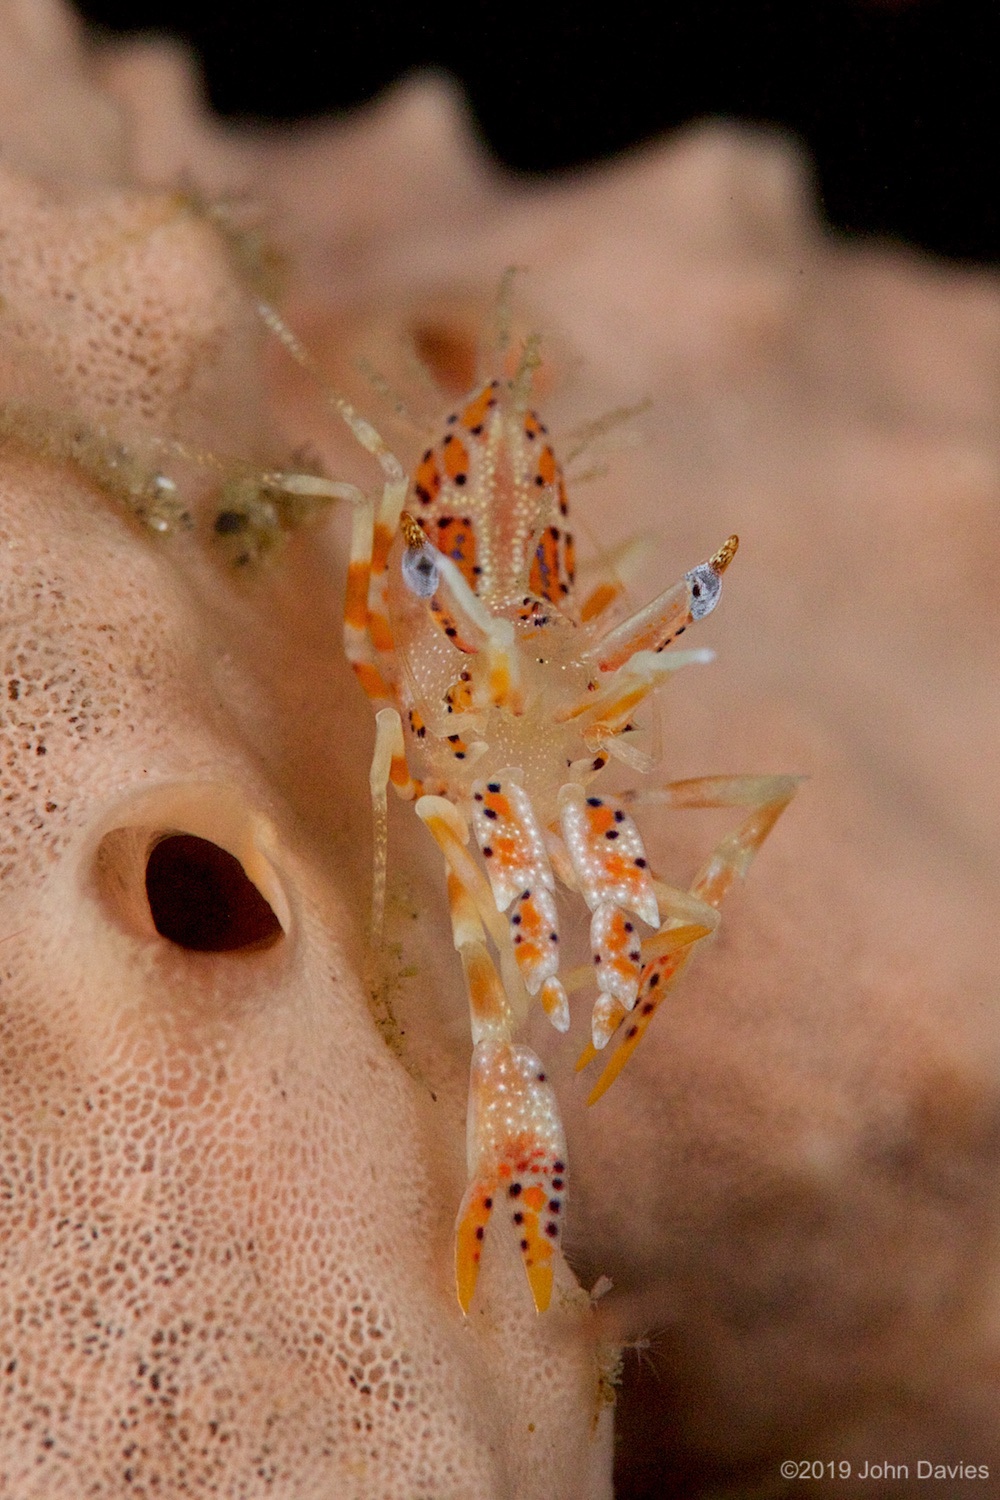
202,899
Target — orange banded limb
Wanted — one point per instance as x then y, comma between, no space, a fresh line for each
766,797
450,831
517,1163
368,641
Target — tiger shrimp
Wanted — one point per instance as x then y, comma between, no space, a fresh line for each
501,697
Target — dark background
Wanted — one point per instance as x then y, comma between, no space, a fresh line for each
897,100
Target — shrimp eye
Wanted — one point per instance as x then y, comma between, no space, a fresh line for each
420,570
705,585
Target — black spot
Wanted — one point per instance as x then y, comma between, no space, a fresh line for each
424,496
518,938
594,802
460,479
612,833
477,429
539,480
557,1182
489,813
478,796
553,937
515,1190
680,630
635,955
654,980
559,1166
554,533
554,1205
459,754
449,439
541,1077
525,895
629,927
599,763
552,1230
696,590
451,420
429,454
524,1244
480,1232
648,1008
228,522
493,786
631,1033
619,815
597,958
450,632
453,739
487,853
640,864
515,920
487,1203
519,1218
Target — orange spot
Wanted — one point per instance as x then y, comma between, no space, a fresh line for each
427,480
381,542
534,1197
468,1243
498,803
545,575
456,458
477,410
372,680
356,600
531,919
600,820
456,538
540,1281
596,603
547,468
378,627
399,773
505,849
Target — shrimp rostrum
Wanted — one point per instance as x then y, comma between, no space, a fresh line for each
501,698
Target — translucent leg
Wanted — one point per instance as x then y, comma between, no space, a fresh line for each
766,797
517,1156
516,1146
